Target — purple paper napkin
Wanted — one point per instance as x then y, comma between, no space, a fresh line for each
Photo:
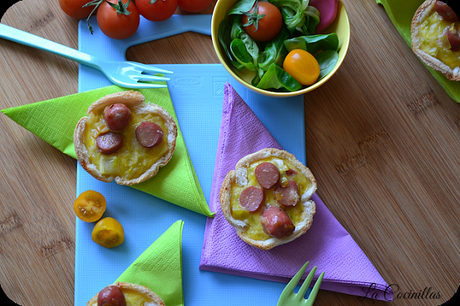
326,244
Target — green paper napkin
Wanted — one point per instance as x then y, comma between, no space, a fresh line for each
159,267
54,121
401,13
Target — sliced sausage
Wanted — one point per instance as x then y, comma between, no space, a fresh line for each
446,12
149,134
251,198
454,40
117,116
290,172
276,222
111,296
267,174
289,195
109,143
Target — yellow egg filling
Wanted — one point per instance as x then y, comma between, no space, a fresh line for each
433,40
254,229
134,298
132,160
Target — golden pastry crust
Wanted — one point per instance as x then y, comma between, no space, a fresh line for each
156,300
135,101
240,177
423,12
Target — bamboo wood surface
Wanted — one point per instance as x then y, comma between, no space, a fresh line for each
382,141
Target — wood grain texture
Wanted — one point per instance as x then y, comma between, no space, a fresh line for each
382,140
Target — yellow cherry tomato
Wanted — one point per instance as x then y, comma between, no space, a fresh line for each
302,66
108,233
90,206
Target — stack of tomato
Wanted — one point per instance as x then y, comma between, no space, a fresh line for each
119,19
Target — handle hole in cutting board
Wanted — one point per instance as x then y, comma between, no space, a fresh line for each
177,49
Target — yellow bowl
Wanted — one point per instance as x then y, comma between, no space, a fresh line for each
341,26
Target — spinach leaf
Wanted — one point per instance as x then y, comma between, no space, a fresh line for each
313,43
237,32
255,81
223,35
313,19
293,16
239,51
277,78
241,7
327,61
251,47
237,27
275,51
298,15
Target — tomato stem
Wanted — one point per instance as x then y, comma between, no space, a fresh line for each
254,17
121,8
96,4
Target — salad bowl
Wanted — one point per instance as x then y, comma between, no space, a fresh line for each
340,26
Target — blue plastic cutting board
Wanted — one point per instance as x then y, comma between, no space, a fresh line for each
197,94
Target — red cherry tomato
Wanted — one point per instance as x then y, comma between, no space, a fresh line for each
156,10
75,9
194,6
115,25
268,26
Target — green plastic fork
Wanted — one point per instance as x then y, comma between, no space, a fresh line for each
289,298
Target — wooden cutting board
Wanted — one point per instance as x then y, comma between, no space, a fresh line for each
382,138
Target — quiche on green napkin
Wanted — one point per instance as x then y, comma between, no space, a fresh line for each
401,13
54,121
159,267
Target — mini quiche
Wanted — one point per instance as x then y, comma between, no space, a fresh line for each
125,139
435,37
267,198
125,294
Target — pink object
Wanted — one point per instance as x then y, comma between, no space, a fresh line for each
327,10
326,244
